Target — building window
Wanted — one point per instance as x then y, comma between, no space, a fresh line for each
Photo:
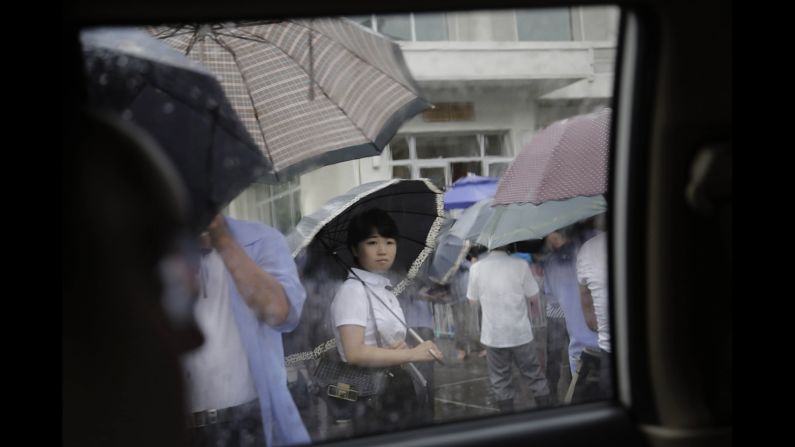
401,172
444,158
544,25
494,144
400,148
449,111
407,27
276,205
497,169
447,146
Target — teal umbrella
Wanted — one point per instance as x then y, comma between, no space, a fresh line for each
521,222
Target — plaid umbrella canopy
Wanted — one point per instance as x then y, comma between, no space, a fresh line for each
566,159
311,92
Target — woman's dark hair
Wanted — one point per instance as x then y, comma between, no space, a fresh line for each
364,224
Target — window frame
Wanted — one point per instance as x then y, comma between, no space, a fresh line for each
412,26
415,164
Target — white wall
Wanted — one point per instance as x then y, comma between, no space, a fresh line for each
495,109
479,61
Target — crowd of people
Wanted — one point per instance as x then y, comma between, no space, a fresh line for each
248,293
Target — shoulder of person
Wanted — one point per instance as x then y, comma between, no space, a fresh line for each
248,232
351,285
348,298
474,268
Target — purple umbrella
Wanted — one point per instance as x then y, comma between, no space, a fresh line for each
468,190
565,160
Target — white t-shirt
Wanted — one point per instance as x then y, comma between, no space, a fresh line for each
217,373
592,272
351,306
502,284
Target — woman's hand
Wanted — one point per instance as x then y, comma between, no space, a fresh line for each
425,352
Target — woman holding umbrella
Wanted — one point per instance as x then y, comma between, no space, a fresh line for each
368,322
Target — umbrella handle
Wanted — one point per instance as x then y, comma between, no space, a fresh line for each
424,382
420,340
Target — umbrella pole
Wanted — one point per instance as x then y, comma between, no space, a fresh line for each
420,340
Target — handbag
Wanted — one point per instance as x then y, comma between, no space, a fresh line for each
350,382
344,381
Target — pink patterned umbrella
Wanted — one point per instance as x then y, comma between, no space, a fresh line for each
566,159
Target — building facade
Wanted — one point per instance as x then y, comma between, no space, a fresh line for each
495,79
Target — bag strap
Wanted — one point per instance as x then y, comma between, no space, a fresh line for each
367,288
412,368
367,291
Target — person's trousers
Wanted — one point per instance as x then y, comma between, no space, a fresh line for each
594,379
500,361
235,426
557,352
466,326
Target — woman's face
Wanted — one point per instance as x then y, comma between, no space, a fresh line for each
376,254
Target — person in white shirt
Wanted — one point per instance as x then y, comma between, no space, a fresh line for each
503,285
368,329
592,278
250,294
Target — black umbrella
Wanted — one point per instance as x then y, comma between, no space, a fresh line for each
319,244
182,106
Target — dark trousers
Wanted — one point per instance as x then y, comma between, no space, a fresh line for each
465,317
500,362
244,429
594,380
557,353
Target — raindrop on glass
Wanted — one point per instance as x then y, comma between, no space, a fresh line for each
168,107
230,162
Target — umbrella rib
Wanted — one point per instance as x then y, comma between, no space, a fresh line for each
413,91
259,39
248,93
397,194
407,87
174,32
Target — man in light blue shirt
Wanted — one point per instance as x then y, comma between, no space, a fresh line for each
561,286
250,295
